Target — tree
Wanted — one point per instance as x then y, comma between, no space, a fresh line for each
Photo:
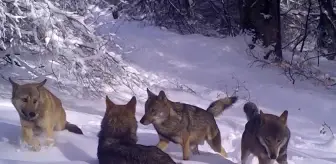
263,17
327,27
50,39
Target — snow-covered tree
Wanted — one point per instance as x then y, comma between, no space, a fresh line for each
53,39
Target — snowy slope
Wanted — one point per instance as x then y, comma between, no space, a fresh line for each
175,63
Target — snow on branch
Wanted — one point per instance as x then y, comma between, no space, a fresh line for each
51,38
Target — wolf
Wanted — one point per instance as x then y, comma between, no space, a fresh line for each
117,143
185,124
39,110
265,136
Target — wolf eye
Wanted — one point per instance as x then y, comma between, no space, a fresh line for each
278,140
25,100
35,101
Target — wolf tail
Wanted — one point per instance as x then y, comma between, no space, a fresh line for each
73,128
218,106
250,110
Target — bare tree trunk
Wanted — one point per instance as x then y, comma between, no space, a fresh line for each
306,25
278,45
263,16
327,27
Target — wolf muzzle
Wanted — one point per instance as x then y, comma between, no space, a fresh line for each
272,152
29,115
273,156
145,121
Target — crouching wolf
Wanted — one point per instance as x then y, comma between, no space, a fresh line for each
185,124
117,138
265,136
39,109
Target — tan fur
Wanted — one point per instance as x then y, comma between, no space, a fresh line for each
185,124
265,136
39,109
186,145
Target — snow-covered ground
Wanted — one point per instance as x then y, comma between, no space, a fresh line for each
191,69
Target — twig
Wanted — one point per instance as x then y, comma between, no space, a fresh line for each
236,89
328,127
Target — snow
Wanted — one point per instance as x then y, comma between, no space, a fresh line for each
192,69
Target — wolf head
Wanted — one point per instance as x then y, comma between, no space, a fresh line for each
119,122
273,133
157,108
26,98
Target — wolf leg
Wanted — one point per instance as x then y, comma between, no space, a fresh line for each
216,145
186,145
163,143
28,137
194,149
48,128
244,155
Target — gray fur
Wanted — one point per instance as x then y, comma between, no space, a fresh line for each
118,140
251,110
219,106
266,136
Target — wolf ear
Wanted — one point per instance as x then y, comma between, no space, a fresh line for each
262,117
261,112
283,117
14,84
41,83
132,104
162,96
109,103
150,93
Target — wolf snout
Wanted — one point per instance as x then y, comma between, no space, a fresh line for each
32,114
273,156
144,121
29,114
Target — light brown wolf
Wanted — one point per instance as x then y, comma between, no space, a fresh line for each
39,109
265,136
118,140
185,124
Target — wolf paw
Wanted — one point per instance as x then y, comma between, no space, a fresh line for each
186,158
49,142
35,145
223,153
195,150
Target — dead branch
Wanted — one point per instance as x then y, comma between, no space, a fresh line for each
325,125
239,86
306,25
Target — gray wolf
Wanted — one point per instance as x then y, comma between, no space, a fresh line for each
185,124
117,138
39,110
265,136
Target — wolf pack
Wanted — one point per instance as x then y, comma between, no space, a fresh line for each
265,136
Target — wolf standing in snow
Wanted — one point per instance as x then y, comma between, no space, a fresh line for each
265,136
39,109
185,124
117,138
